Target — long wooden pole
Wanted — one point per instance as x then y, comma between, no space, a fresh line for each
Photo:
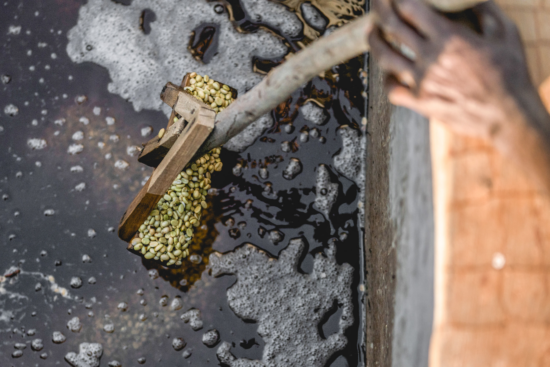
343,44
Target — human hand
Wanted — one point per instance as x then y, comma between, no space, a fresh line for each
476,82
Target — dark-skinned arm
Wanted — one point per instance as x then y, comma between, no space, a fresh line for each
476,82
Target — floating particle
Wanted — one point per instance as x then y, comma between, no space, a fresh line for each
193,317
326,191
37,345
210,338
114,138
133,150
163,301
141,360
238,169
140,292
14,29
11,110
79,135
146,131
44,356
114,364
59,122
92,280
49,212
293,169
12,271
109,327
186,353
276,236
313,17
80,187
76,282
86,259
153,274
6,79
75,149
31,332
285,146
110,120
81,99
84,120
74,325
289,128
96,111
91,233
89,355
38,287
121,164
20,346
37,144
178,344
17,354
1,129
195,259
77,169
142,317
177,304
122,306
263,173
58,337
314,133
234,233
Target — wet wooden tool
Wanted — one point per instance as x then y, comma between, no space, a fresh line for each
170,153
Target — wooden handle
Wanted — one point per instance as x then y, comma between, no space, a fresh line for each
343,44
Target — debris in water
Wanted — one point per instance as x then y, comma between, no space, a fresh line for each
314,113
178,344
58,337
11,110
37,144
76,282
89,355
74,325
193,317
276,236
326,191
37,345
293,169
351,162
211,338
289,341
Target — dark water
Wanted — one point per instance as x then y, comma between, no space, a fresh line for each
52,94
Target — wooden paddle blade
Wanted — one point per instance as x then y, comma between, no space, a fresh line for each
137,212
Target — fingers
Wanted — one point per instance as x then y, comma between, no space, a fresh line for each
492,20
422,17
396,29
401,95
390,60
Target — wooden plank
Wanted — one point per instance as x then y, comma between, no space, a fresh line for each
156,149
178,157
182,151
137,212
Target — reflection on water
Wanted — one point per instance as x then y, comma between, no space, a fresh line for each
70,293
